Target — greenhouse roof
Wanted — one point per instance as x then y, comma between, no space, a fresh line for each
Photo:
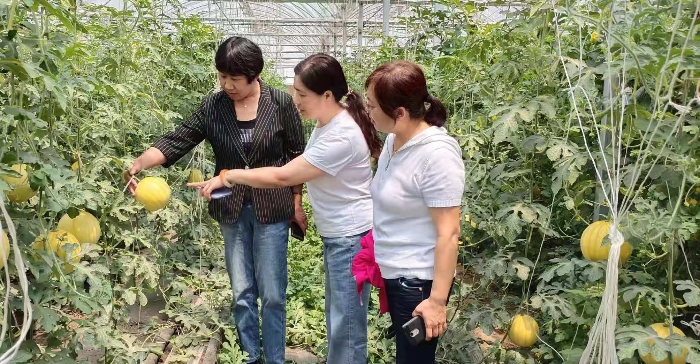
289,31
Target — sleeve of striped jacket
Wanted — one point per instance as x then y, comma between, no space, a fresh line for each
175,144
294,131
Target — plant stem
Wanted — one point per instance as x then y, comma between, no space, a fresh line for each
11,15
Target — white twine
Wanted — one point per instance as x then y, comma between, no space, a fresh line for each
601,343
550,346
9,355
694,324
128,184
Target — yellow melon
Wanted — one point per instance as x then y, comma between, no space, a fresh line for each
196,176
21,191
592,243
153,193
5,246
663,331
85,227
55,242
523,331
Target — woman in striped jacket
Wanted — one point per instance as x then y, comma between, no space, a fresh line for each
248,125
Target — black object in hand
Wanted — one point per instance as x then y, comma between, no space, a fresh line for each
297,232
221,192
415,330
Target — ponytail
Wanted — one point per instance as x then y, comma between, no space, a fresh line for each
321,73
436,114
356,109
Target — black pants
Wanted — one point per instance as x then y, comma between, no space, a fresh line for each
404,295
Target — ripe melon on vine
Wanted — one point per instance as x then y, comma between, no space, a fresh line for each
85,227
196,176
55,242
153,193
21,191
523,331
592,243
663,331
5,246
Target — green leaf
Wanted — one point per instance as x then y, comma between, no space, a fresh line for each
143,301
534,143
572,356
692,297
626,352
65,17
15,67
558,151
525,114
522,271
547,107
594,272
81,304
47,317
557,307
536,302
22,357
504,127
569,203
73,212
554,153
129,296
56,90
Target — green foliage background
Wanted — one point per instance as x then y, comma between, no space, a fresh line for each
100,85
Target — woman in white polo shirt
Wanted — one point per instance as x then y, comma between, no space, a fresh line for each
417,193
336,168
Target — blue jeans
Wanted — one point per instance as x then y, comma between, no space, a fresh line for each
346,318
256,260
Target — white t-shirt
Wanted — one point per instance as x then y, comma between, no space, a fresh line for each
340,199
426,172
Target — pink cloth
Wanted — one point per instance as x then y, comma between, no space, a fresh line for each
365,269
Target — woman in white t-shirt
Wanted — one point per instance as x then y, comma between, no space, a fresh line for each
417,193
336,166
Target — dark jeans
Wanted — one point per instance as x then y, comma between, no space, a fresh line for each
404,295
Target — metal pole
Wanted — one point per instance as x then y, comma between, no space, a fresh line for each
600,212
344,9
360,23
386,8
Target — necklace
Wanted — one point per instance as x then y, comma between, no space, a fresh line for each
253,95
245,103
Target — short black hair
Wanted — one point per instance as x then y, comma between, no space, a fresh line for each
238,56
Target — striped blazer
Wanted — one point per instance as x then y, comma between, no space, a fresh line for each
277,139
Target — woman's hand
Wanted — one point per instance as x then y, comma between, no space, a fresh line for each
129,175
206,187
434,315
299,213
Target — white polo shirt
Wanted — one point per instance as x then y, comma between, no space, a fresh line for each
426,172
340,200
